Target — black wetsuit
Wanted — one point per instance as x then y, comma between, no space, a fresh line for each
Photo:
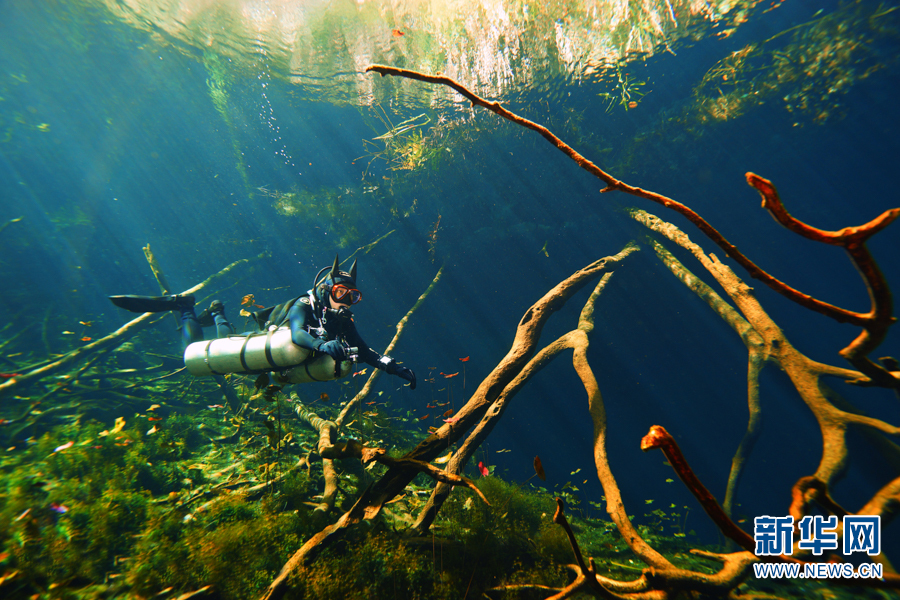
311,326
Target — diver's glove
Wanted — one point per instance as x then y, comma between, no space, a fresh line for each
334,349
390,366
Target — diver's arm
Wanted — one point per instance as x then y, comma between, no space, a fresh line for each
371,357
298,315
366,354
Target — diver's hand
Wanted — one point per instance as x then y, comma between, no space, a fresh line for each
391,367
334,349
407,374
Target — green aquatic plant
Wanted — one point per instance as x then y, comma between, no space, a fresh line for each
627,90
403,147
805,68
342,212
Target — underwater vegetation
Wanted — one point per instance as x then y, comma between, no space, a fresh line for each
124,478
806,69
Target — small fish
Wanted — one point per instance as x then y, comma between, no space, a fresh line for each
85,339
59,508
423,417
371,403
451,421
539,468
65,446
483,469
449,413
214,406
323,397
363,372
9,375
504,450
466,359
152,430
449,375
397,33
443,459
154,407
432,429
86,323
23,515
247,300
68,333
154,418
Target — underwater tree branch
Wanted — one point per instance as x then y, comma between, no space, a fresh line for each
805,374
129,329
400,474
875,323
401,324
658,437
856,350
497,408
832,412
587,574
758,355
157,270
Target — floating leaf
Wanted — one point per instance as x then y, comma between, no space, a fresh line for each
539,468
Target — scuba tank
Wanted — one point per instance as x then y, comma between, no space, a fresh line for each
262,352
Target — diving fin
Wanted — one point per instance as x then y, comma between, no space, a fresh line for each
145,304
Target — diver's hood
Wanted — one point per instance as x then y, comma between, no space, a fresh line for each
334,277
343,277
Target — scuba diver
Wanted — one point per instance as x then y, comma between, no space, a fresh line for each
309,338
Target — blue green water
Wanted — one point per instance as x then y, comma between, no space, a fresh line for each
117,133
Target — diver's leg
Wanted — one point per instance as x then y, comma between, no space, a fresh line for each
215,315
190,328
